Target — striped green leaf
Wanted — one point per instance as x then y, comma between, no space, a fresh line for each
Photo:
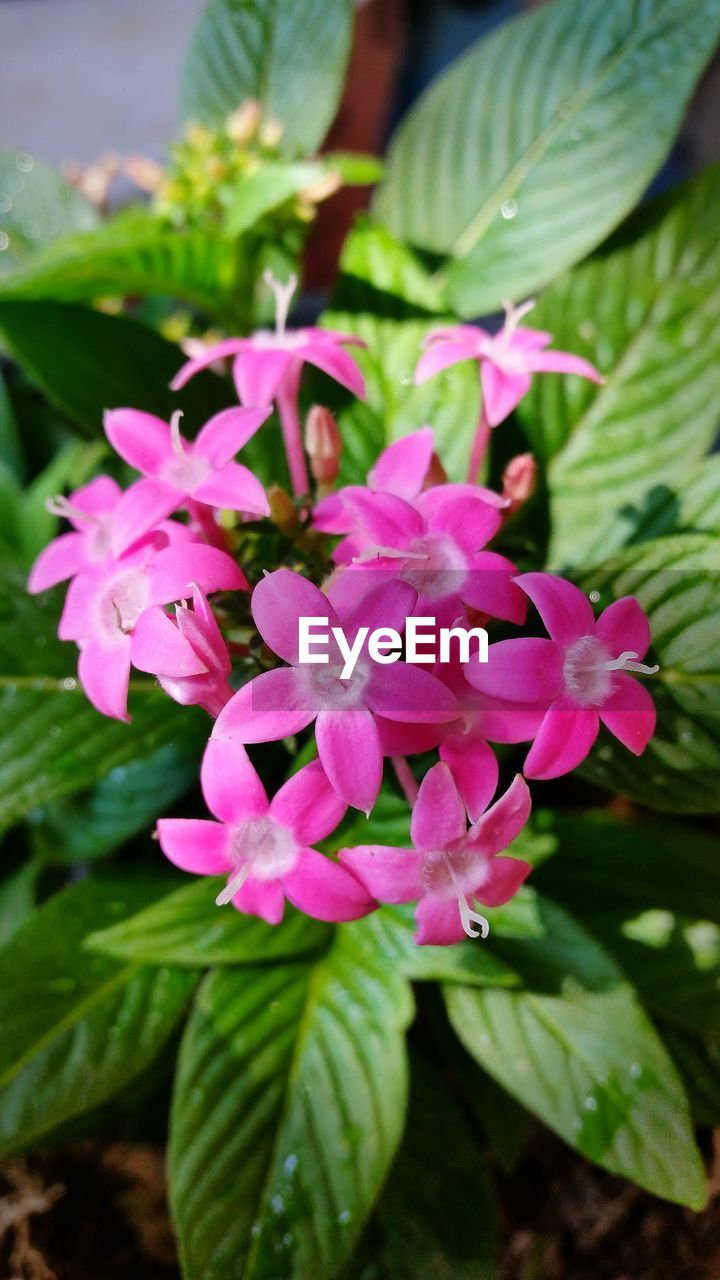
290,55
77,1028
526,153
646,310
288,1108
576,1048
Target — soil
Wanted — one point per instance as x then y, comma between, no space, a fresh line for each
96,1210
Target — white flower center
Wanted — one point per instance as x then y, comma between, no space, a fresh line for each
332,692
456,873
588,668
122,601
261,848
434,565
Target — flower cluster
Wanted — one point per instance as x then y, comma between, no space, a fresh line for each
407,544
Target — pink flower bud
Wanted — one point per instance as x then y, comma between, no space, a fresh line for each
323,445
519,481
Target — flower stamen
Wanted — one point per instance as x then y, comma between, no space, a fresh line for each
176,438
283,296
468,917
233,886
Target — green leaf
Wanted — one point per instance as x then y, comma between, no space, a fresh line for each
36,207
290,55
266,189
87,362
288,1108
77,1028
646,310
438,1215
123,803
576,1048
132,254
691,507
675,581
188,928
537,142
356,168
54,742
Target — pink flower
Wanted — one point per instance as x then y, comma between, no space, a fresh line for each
104,603
268,365
264,848
434,545
449,865
403,470
178,469
89,510
578,677
280,703
189,656
508,360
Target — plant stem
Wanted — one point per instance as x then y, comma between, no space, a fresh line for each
479,447
287,407
405,777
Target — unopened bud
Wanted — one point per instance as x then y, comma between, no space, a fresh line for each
271,131
241,125
147,174
519,481
283,512
323,445
325,187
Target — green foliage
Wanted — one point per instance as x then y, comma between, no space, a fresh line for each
78,1027
287,1111
575,1046
646,310
262,49
37,206
54,743
531,148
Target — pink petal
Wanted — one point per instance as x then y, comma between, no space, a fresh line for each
259,373
491,587
195,844
561,362
407,739
502,823
502,392
275,705
140,508
219,351
263,898
402,467
408,693
389,874
510,723
60,559
519,671
96,498
622,626
432,501
474,768
387,603
104,673
308,804
230,784
383,518
235,488
330,516
159,647
199,627
226,432
564,609
441,355
438,921
530,340
438,816
140,438
174,570
279,600
78,618
338,365
564,739
503,877
326,891
349,748
629,713
470,522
